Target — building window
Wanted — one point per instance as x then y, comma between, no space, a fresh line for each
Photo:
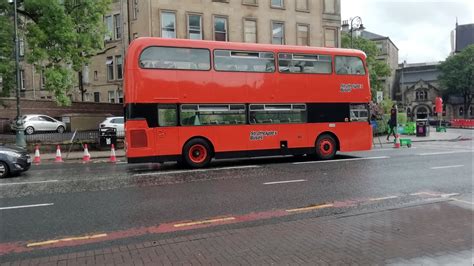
278,33
302,34
330,38
330,6
21,43
168,24
111,96
421,95
110,68
109,23
134,9
220,29
250,2
96,75
120,96
302,5
119,63
22,79
250,30
470,110
118,26
221,1
277,3
97,97
87,97
461,111
194,26
42,80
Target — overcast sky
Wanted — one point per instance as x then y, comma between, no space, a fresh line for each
419,28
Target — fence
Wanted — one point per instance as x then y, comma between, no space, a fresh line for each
91,136
462,123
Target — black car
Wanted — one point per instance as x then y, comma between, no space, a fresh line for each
433,122
13,160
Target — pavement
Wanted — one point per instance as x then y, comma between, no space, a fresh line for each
431,234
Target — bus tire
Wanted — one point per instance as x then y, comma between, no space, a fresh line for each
197,153
326,147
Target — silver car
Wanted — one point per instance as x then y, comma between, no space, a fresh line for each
36,123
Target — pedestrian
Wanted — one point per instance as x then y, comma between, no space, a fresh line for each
392,123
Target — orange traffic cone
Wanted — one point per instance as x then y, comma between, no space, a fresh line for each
396,144
87,157
58,159
113,158
37,159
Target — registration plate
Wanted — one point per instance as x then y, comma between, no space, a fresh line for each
28,160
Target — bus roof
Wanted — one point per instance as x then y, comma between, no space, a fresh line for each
144,42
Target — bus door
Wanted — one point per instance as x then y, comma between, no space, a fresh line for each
167,132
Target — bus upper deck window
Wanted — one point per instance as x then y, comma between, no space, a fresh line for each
349,65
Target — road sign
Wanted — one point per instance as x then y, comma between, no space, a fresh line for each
379,96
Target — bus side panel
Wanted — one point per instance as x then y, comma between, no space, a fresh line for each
137,133
352,136
223,138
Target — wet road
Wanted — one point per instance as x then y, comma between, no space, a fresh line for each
57,201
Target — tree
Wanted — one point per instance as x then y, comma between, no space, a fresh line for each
457,75
377,68
7,44
61,37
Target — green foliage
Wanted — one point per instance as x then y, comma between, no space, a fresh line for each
457,75
7,44
377,69
61,36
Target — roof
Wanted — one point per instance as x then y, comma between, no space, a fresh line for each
374,37
464,36
370,35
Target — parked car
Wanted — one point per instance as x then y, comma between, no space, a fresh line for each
13,160
116,122
36,123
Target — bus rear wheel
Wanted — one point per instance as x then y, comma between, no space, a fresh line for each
326,147
197,153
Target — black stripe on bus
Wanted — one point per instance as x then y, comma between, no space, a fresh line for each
316,112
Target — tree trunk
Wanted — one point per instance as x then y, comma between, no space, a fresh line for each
467,104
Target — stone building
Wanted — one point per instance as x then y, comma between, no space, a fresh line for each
417,87
388,53
292,22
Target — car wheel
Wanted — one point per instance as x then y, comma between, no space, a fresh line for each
197,153
29,130
3,170
61,129
326,147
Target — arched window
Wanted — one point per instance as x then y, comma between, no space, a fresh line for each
417,95
425,95
461,111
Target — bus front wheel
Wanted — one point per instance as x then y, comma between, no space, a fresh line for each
197,153
326,147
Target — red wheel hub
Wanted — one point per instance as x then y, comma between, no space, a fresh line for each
326,147
197,153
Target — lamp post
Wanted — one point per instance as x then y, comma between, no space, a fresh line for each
20,134
356,24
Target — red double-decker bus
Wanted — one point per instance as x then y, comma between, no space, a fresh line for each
192,101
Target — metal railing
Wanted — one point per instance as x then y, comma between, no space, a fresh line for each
54,137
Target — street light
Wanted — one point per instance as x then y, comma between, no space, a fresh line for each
356,24
20,134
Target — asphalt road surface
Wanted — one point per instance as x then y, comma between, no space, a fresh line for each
131,203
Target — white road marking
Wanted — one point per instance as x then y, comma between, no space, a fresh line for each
345,160
463,201
196,170
285,182
447,166
384,198
32,182
389,149
442,152
26,206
